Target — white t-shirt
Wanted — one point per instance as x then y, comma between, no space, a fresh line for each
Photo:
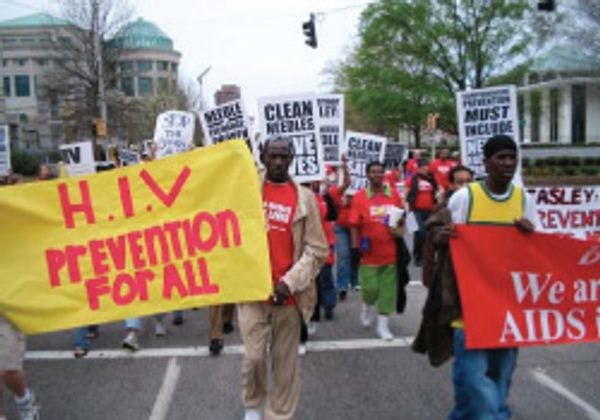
459,205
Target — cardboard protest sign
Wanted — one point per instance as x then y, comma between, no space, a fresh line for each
226,122
4,151
361,149
296,119
129,157
180,232
395,153
521,291
483,113
331,126
174,132
573,211
78,158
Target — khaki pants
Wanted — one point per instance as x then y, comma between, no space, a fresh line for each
277,328
217,316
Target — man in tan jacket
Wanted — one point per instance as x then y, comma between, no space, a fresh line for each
297,250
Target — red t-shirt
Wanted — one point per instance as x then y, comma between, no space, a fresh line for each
279,202
370,214
343,206
391,177
440,170
424,200
411,167
327,227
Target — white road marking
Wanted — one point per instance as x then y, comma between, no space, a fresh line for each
591,412
415,283
167,389
202,351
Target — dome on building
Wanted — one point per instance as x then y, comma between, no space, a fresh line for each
33,21
142,34
566,59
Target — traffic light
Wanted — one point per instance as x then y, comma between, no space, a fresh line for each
99,127
546,5
432,122
309,30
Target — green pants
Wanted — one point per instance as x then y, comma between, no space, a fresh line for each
379,285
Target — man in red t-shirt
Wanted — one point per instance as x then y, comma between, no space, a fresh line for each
440,168
421,190
373,237
297,250
411,164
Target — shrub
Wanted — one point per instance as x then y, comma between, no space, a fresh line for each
589,161
551,160
525,162
562,161
575,161
569,170
590,170
538,163
25,163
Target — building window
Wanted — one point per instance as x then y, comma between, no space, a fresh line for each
126,66
174,67
127,86
144,66
578,114
145,86
42,62
554,103
162,65
4,63
22,61
6,85
521,110
22,86
163,85
536,110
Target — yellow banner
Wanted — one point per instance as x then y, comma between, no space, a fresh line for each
184,231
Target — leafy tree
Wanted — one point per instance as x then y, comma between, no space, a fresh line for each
414,55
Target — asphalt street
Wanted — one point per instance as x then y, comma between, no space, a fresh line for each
346,374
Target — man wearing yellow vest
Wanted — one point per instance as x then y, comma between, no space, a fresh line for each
482,377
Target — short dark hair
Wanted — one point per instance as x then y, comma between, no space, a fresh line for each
458,168
497,143
374,163
273,139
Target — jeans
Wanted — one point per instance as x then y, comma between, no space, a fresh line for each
346,274
80,339
136,323
326,293
419,239
481,381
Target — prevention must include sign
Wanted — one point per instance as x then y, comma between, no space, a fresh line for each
226,122
296,119
174,132
331,126
362,149
573,211
483,113
523,292
394,155
180,232
4,151
78,158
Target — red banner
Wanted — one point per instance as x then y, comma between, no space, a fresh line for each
521,290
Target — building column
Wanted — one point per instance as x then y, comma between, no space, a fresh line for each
564,115
545,116
592,113
527,116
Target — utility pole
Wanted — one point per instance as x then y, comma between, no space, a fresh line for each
98,59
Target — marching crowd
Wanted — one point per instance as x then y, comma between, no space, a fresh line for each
324,241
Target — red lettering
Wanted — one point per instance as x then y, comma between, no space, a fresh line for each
95,288
207,287
116,247
55,260
190,239
136,249
124,289
171,228
229,217
203,286
98,257
166,198
150,235
74,252
142,278
125,194
208,244
69,208
172,281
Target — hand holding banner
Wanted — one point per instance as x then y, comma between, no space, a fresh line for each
180,232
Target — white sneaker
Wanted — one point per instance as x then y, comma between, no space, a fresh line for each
301,349
383,330
252,414
160,330
131,342
366,314
312,328
27,407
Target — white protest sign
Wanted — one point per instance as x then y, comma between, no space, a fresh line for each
173,133
295,118
573,211
226,122
483,113
128,157
78,158
361,149
331,126
395,153
4,151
